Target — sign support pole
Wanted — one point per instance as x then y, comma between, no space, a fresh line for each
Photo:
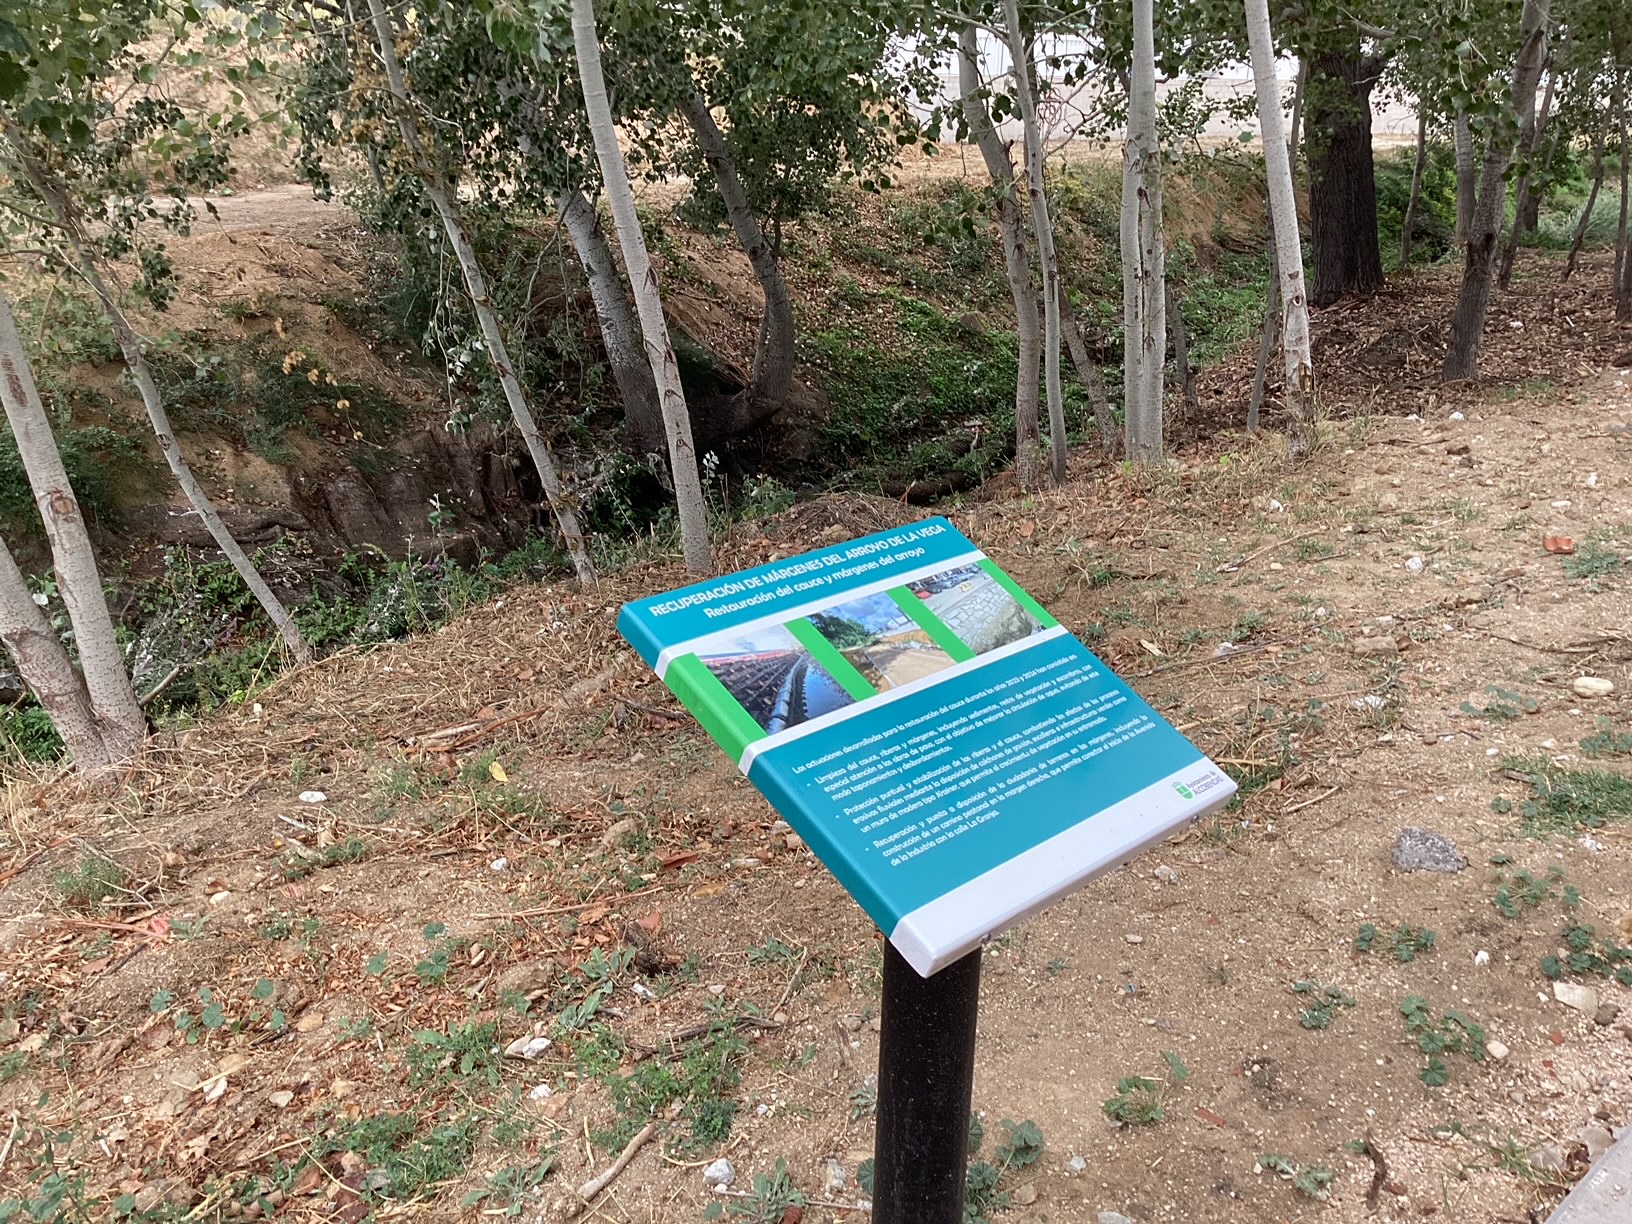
926,1079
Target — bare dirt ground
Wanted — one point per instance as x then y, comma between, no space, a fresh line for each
301,1008
527,733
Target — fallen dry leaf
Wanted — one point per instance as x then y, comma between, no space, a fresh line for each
496,772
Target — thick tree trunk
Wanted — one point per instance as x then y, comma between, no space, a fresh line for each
1473,300
1342,179
44,665
1043,228
654,328
620,333
1016,266
120,726
1283,208
1409,223
1089,375
1585,221
1467,176
1144,271
773,373
498,352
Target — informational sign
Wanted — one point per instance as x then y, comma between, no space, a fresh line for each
952,754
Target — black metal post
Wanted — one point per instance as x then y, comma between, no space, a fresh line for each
926,1077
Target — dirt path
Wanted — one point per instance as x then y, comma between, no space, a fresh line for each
288,996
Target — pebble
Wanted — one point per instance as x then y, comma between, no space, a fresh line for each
1598,1140
1376,648
719,1174
1025,1195
1076,1165
1605,1015
833,1178
1590,844
499,864
1134,939
1113,1217
540,1092
716,989
618,833
1421,850
1481,958
1496,1050
527,1048
1414,565
1592,686
1166,874
1457,416
1573,994
313,797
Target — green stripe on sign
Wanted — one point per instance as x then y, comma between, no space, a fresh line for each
834,663
721,715
1018,594
931,624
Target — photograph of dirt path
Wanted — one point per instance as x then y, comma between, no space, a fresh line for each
881,641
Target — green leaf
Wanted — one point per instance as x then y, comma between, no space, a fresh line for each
376,964
1175,1066
864,1175
264,989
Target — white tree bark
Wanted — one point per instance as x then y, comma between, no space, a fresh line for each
1016,266
688,487
1283,207
1467,176
133,350
1043,229
45,667
620,333
1143,254
498,352
121,726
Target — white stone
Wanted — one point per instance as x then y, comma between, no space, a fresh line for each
1414,565
1166,874
1592,686
313,797
527,1047
1496,1050
1134,939
1457,416
540,1092
1572,994
499,864
1481,957
719,1174
1076,1165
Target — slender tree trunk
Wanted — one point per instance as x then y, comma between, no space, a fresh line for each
1473,300
133,350
643,280
44,665
1342,177
1043,228
1623,255
1016,266
774,374
1266,337
1467,177
1181,357
1089,375
1410,221
620,333
1529,204
119,723
1144,272
1585,221
1530,130
1294,133
498,352
1283,208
